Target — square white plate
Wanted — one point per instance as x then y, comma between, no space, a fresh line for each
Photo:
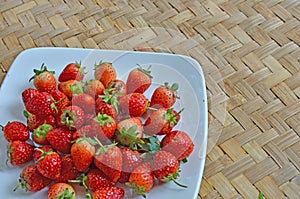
165,68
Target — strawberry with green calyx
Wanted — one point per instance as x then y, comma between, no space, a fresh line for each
82,153
39,134
34,121
166,167
108,159
139,80
44,80
108,103
60,139
118,86
178,143
19,152
15,130
38,153
49,164
60,100
141,179
72,71
129,132
31,180
70,88
94,88
71,116
133,104
103,126
161,121
105,72
61,190
164,96
107,192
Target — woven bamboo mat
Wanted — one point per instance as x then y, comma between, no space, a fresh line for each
249,51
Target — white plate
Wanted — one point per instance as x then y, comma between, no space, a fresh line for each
165,68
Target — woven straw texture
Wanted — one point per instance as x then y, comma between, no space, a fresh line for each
248,49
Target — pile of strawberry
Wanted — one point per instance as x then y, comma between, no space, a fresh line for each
100,133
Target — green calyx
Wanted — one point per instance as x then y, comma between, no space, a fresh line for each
37,72
68,118
67,194
77,88
173,177
44,153
171,117
103,148
174,87
129,137
146,71
138,190
102,119
42,130
111,97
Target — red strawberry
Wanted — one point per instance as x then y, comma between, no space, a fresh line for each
84,131
41,105
34,121
68,170
71,116
31,179
70,88
60,99
38,153
85,101
94,88
165,167
109,160
89,118
139,80
61,190
131,160
105,72
178,143
28,93
15,130
164,96
49,164
129,131
161,121
44,80
141,179
72,71
82,153
96,179
118,86
39,134
19,152
134,104
108,193
60,139
107,103
103,126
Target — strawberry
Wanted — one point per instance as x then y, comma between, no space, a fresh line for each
39,134
31,179
71,116
103,126
129,131
108,193
161,121
60,139
139,80
107,103
19,152
164,96
38,153
72,71
60,99
34,121
131,160
118,86
41,105
108,159
82,153
165,166
49,164
96,179
70,88
44,80
61,190
68,170
89,118
134,104
94,88
85,101
141,179
28,93
178,143
15,130
105,72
